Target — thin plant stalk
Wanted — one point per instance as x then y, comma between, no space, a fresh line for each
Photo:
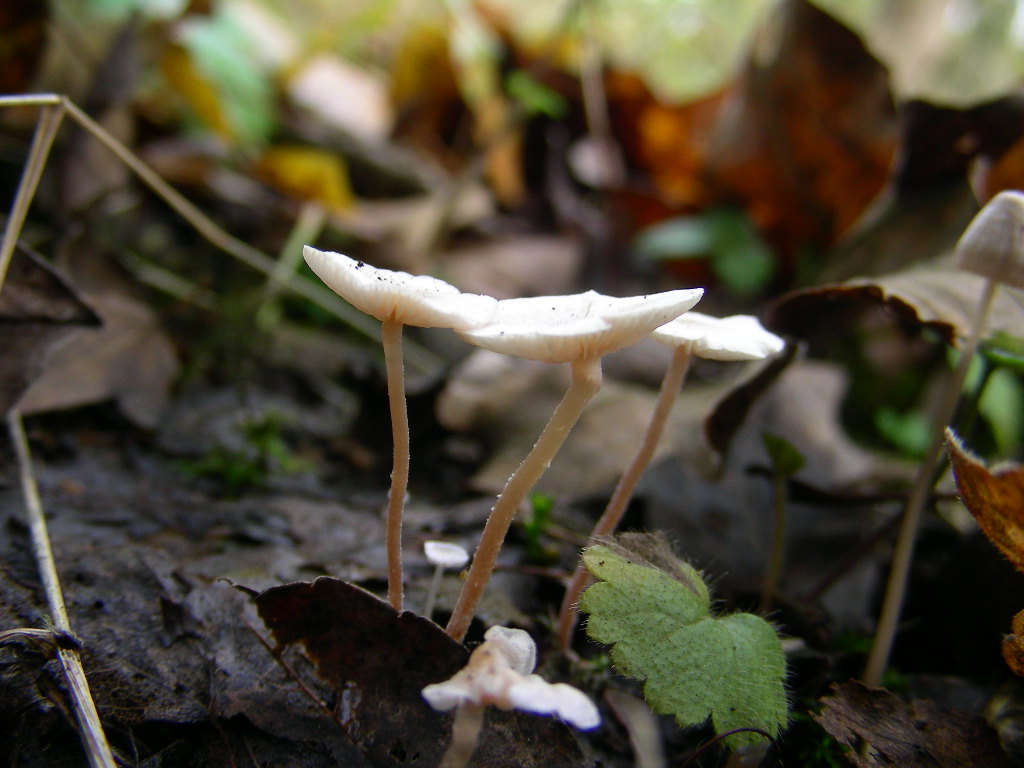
415,354
586,381
671,382
896,586
50,117
391,337
778,552
94,740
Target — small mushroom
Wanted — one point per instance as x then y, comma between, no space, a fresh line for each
740,337
577,329
398,299
992,246
499,673
443,555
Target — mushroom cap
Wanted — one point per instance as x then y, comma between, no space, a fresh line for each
535,694
445,554
739,337
498,673
564,329
398,296
993,243
516,645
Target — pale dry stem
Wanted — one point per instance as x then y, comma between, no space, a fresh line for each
416,355
90,729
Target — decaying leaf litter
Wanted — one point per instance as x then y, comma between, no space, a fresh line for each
218,444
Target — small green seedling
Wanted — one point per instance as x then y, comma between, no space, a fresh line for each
785,461
534,526
655,612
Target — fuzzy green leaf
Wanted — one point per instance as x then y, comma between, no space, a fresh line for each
659,623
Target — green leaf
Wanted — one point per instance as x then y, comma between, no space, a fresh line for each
739,257
785,458
535,97
657,618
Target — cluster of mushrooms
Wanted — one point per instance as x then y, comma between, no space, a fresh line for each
577,329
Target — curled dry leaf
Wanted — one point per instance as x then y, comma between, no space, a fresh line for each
1013,645
935,294
995,498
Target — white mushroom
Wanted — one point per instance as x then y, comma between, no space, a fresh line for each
442,555
577,329
740,337
499,673
398,299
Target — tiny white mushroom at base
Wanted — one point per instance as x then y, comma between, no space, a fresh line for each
499,673
441,554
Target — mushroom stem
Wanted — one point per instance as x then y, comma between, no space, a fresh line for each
612,515
391,338
435,587
586,381
466,727
896,587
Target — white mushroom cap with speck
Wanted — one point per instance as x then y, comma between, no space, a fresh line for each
993,243
385,294
498,673
564,329
445,554
740,337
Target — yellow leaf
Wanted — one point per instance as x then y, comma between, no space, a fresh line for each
197,92
308,173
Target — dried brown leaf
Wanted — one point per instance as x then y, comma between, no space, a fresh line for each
129,359
995,498
37,310
1013,645
936,295
379,661
919,735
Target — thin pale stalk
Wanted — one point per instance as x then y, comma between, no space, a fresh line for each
417,355
50,117
391,336
671,382
435,587
586,381
896,586
466,727
771,576
90,729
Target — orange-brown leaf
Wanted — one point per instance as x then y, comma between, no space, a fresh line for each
1013,646
995,498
